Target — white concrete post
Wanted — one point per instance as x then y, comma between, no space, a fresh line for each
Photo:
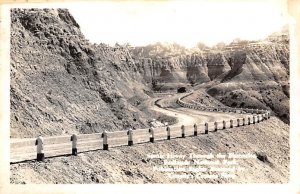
258,116
231,123
253,119
105,143
182,131
224,124
195,130
206,128
39,142
216,126
129,133
168,132
74,144
151,132
248,120
238,122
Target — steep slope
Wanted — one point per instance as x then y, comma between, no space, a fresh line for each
61,83
259,77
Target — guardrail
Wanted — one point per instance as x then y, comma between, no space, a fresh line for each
40,147
197,106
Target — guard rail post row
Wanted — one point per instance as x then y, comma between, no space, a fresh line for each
151,132
182,131
216,126
129,133
168,129
39,142
195,130
74,144
105,143
261,116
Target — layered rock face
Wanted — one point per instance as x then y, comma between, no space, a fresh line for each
254,61
259,78
181,68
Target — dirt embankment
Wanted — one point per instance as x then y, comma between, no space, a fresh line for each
267,140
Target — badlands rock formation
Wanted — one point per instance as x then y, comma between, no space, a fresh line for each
61,83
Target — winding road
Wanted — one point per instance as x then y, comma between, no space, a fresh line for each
25,149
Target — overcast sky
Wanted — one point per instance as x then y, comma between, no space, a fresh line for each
184,22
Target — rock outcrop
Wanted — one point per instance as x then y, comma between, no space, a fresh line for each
258,71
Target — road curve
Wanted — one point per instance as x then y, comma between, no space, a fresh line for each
25,149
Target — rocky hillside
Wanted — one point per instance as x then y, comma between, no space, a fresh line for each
249,74
258,78
61,83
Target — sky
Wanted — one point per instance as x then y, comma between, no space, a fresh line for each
184,22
